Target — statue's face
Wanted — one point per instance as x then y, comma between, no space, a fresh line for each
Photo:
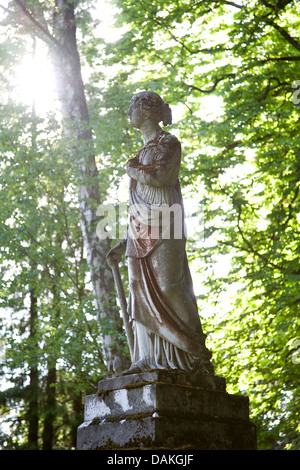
135,115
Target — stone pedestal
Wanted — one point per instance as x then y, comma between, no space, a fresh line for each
166,410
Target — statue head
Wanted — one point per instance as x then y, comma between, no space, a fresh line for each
151,106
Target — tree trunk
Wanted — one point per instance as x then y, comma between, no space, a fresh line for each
50,411
33,389
78,409
77,128
65,57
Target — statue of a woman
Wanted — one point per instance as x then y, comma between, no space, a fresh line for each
161,306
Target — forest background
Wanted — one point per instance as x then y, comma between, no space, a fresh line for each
230,71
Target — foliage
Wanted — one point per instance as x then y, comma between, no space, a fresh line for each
42,258
228,69
246,155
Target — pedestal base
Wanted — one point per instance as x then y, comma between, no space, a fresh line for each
166,410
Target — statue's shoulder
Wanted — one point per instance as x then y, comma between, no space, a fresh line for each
168,139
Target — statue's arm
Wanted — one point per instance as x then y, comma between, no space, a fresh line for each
163,172
115,253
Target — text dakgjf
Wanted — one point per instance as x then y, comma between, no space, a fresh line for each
179,459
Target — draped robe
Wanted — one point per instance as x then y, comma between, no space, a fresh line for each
161,306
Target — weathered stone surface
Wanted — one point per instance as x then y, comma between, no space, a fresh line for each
161,305
211,382
161,409
161,433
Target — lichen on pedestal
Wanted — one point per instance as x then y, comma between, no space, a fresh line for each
146,410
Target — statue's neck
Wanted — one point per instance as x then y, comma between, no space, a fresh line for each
150,131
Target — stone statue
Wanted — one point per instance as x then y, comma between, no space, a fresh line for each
162,316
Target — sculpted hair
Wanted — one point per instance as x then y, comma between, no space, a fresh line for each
151,101
167,114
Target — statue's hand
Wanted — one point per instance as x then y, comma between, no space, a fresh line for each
113,259
133,163
114,255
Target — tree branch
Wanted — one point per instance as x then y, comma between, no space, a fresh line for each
280,5
278,28
209,50
36,23
233,75
216,82
232,4
6,10
268,87
284,33
278,59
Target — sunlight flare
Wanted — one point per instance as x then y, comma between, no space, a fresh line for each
36,81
